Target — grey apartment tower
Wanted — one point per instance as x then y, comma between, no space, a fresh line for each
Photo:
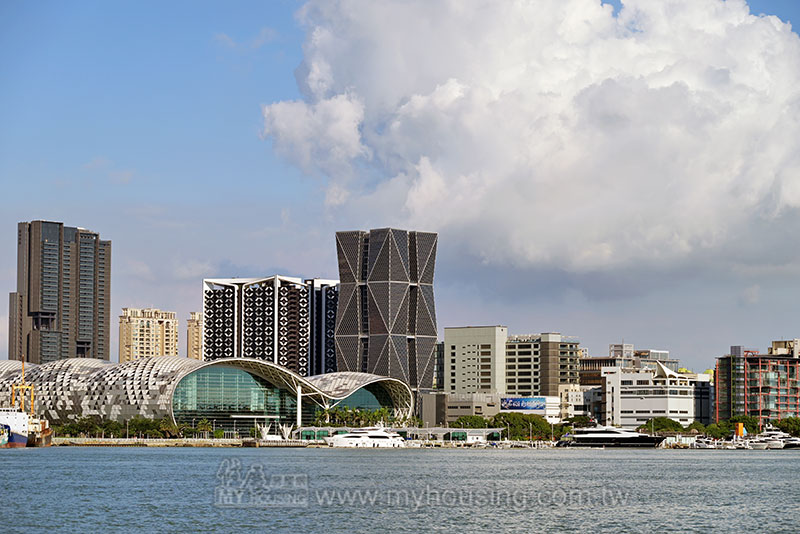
386,319
285,320
61,308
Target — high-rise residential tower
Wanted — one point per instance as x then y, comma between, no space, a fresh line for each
147,332
284,320
61,308
386,320
194,336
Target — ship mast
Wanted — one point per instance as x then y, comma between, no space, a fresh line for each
23,389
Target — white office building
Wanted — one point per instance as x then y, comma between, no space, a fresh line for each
634,397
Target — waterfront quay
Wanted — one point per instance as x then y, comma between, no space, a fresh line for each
178,442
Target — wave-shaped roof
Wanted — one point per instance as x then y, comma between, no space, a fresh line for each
90,387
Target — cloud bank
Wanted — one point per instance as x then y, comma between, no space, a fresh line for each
552,134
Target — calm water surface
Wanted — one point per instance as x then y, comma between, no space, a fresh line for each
229,490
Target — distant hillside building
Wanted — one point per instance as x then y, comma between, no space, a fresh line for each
61,308
147,332
194,336
285,320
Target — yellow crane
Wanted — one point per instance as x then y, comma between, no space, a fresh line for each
23,389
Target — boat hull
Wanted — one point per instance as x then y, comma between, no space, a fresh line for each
639,441
15,440
40,439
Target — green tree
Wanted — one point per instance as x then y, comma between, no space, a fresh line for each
470,421
661,424
714,430
523,426
696,425
790,425
580,421
750,423
168,428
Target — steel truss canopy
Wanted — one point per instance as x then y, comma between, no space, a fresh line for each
78,387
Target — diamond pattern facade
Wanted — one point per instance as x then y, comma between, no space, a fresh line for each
386,320
85,387
283,320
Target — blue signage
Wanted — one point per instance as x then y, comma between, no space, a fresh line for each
528,404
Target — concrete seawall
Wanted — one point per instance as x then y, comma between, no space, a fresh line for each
180,442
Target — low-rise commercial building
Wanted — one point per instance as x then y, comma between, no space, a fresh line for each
632,398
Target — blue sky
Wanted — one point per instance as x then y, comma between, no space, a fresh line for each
143,121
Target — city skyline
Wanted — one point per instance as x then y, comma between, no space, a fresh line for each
134,137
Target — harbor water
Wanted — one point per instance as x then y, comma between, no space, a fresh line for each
350,491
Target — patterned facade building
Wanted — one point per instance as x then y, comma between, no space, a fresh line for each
61,308
147,332
386,320
234,393
284,320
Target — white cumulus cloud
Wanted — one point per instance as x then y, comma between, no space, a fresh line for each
551,133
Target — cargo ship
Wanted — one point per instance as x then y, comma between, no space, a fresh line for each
16,422
23,429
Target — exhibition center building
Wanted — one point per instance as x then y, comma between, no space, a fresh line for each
232,392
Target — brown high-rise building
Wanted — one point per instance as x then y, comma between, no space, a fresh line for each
61,308
559,357
194,336
147,332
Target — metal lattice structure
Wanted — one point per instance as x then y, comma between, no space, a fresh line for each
79,387
386,320
284,320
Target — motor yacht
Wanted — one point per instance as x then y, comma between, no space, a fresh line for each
608,436
375,437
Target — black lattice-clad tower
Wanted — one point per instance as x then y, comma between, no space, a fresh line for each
284,320
386,319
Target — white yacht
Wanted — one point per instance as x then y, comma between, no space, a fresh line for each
775,439
375,437
608,436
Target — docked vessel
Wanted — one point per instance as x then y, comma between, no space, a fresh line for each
23,428
608,436
4,432
375,437
39,432
16,421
